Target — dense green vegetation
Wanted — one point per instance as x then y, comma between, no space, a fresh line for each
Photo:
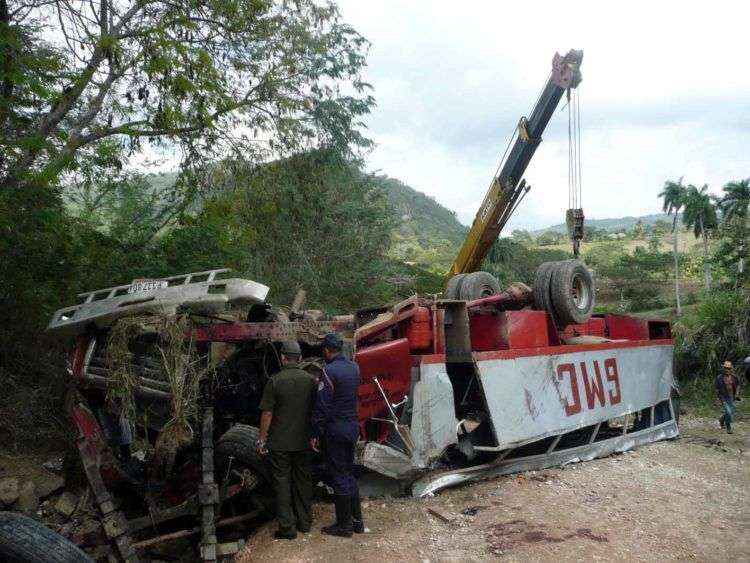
714,330
427,234
259,105
90,90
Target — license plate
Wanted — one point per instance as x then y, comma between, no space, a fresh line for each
146,286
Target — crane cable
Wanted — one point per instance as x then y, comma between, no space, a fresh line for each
574,216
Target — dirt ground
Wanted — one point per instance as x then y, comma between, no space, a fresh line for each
687,499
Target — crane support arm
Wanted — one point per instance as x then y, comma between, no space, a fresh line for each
506,188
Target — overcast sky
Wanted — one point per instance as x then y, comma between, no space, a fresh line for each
665,93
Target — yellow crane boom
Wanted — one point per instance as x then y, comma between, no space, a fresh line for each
507,187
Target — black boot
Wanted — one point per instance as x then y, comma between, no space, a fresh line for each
343,525
358,525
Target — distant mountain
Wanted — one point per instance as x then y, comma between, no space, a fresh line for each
613,225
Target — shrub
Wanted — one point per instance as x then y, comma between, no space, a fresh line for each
716,330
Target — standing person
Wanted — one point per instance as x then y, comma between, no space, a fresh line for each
336,429
286,405
727,391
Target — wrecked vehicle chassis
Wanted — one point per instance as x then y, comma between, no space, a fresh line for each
215,481
452,391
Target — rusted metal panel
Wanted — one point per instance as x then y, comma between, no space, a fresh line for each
305,331
534,397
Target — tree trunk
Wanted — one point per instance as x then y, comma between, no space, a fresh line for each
676,270
706,263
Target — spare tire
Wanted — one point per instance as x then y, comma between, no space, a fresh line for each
477,285
572,292
453,289
240,443
23,540
541,288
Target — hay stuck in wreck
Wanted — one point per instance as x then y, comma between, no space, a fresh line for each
181,368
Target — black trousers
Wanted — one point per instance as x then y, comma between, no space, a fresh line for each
339,443
292,483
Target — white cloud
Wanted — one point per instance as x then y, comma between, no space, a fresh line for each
665,94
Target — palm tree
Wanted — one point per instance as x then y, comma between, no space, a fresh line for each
673,195
736,200
700,215
734,206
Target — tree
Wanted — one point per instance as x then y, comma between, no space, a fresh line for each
549,238
736,200
511,261
734,206
700,215
248,79
673,196
521,235
631,273
87,86
315,221
638,230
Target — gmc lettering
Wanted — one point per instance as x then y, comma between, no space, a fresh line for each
600,386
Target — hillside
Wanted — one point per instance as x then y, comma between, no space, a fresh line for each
613,225
428,235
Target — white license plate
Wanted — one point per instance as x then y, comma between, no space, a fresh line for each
145,286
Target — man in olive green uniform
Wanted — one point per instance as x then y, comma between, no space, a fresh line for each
286,406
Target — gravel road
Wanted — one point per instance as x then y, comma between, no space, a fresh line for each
687,499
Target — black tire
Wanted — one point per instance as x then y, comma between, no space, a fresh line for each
23,540
240,442
477,285
453,289
541,288
572,292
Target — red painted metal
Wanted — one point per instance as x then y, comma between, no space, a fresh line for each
438,330
566,349
92,445
79,355
273,331
626,328
431,359
391,363
595,327
419,330
486,333
509,330
400,312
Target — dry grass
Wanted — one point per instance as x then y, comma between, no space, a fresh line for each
181,367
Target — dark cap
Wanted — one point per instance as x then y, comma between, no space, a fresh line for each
291,347
332,341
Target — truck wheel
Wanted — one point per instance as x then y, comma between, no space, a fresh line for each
541,287
239,442
477,285
453,289
572,292
23,540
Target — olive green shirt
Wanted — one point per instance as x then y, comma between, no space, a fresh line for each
290,396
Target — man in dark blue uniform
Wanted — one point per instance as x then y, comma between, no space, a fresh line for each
336,429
